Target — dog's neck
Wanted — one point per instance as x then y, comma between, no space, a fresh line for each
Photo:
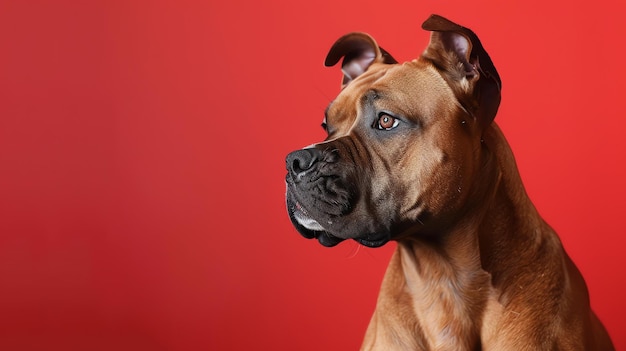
448,288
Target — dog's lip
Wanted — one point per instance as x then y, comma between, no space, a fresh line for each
301,209
373,242
328,240
303,217
323,237
315,230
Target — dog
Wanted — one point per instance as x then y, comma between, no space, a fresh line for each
413,155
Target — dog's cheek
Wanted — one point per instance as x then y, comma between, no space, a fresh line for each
341,195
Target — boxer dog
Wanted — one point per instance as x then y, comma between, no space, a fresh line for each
413,155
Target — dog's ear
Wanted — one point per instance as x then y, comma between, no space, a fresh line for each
457,52
359,51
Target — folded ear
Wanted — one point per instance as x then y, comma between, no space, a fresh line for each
359,51
457,52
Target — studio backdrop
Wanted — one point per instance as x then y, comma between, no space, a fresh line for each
142,170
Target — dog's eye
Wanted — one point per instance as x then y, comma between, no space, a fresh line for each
324,122
386,122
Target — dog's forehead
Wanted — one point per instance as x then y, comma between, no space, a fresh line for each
412,89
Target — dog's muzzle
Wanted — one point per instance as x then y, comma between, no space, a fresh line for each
317,194
324,196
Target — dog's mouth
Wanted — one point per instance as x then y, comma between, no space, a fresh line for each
312,229
309,227
302,216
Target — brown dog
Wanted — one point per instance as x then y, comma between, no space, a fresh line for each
412,155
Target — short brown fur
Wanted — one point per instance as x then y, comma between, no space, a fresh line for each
476,267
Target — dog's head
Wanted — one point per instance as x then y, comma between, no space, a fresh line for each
402,151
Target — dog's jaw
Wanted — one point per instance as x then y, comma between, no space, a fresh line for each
307,226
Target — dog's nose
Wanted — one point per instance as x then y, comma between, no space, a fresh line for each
301,161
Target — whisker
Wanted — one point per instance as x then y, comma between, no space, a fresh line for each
355,250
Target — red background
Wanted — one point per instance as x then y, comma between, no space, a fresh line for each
142,170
